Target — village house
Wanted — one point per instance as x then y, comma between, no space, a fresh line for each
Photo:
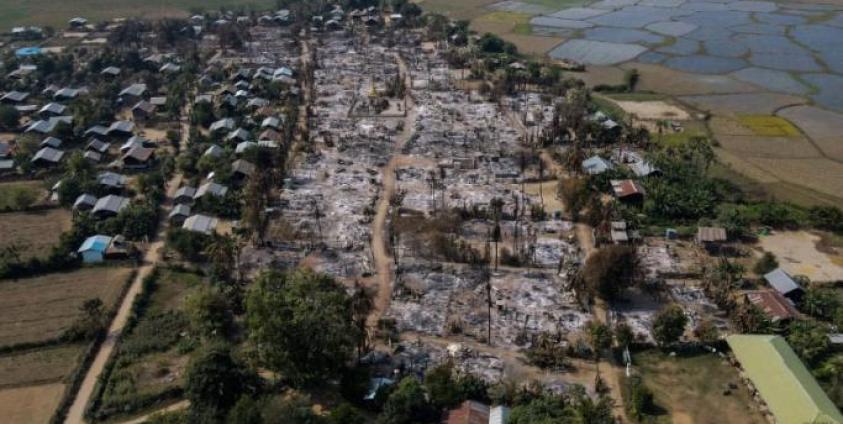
779,309
98,146
179,214
109,206
711,238
47,156
210,188
201,224
52,109
51,142
138,157
783,283
143,111
133,93
84,202
628,191
14,97
184,195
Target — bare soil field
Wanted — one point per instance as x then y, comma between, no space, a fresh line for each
39,366
769,147
823,127
532,44
33,233
798,255
751,104
31,405
822,175
691,389
653,110
549,190
41,308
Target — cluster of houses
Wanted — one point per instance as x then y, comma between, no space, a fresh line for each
337,18
625,190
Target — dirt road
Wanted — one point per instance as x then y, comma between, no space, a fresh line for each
380,254
178,406
151,258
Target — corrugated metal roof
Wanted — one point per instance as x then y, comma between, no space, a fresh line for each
788,388
781,281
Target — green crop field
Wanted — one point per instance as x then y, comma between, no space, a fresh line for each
56,13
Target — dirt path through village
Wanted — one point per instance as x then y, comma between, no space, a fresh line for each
380,254
153,255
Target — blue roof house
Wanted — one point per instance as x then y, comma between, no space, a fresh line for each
93,249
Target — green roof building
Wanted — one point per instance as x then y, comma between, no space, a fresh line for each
791,393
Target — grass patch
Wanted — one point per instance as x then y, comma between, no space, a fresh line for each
34,233
690,129
150,365
769,126
638,96
11,191
518,23
610,108
42,308
691,389
39,366
523,29
459,9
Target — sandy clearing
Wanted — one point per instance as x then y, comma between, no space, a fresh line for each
653,110
798,255
31,405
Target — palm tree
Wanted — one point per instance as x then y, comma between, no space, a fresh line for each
361,306
222,252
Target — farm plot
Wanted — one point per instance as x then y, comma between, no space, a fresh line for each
41,308
154,354
40,366
33,233
32,404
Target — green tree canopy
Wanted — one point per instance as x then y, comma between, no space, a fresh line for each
408,405
669,325
301,325
215,381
